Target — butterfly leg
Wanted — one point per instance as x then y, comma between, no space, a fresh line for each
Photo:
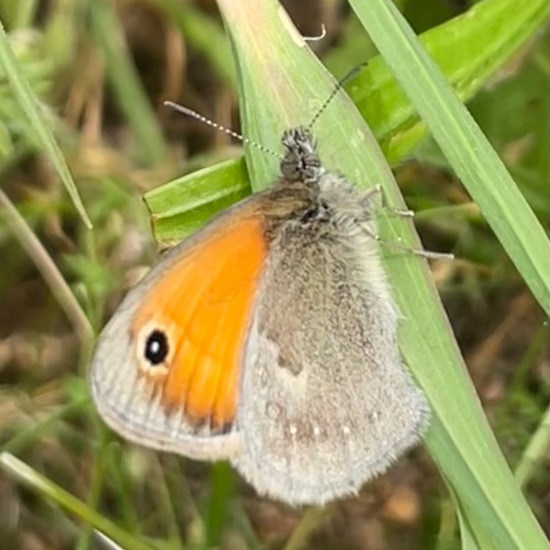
376,194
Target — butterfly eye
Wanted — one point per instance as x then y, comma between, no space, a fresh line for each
153,350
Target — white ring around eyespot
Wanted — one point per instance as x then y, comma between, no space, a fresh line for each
153,371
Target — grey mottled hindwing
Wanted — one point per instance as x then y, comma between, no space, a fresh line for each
326,402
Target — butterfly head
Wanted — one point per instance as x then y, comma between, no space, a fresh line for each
300,160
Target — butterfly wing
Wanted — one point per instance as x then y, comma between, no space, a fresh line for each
326,402
167,366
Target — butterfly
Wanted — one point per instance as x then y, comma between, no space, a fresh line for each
269,339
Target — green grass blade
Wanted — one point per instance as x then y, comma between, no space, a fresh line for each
467,49
181,206
43,133
124,80
538,448
36,481
468,538
462,142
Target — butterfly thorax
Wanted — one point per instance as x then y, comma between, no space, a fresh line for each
317,197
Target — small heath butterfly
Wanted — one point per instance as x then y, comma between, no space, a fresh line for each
269,338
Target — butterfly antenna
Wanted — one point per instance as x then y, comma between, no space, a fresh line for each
339,85
219,127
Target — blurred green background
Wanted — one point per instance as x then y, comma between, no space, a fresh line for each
102,70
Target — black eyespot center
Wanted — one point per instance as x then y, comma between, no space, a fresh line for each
156,347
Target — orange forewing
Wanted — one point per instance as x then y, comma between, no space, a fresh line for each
204,301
